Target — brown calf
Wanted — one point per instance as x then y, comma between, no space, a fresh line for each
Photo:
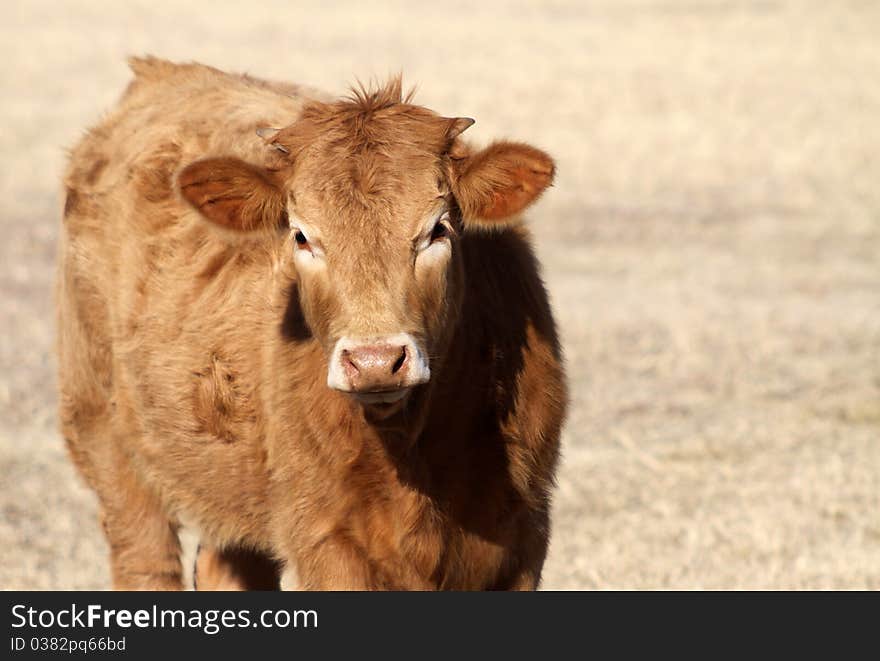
327,348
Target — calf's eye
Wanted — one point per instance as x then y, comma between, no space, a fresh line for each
302,242
301,239
440,231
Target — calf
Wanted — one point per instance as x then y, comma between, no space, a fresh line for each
326,347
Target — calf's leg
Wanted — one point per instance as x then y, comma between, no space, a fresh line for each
143,539
144,544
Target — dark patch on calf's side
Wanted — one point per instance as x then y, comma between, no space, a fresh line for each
293,325
518,299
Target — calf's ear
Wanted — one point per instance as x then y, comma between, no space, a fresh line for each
495,184
234,194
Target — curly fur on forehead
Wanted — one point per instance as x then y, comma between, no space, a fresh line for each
371,99
367,145
379,118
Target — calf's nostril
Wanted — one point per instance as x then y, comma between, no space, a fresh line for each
398,364
348,363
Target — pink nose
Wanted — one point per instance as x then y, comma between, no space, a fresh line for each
375,367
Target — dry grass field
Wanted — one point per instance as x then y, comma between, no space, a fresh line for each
712,247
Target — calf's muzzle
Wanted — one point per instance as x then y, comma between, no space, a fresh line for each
380,369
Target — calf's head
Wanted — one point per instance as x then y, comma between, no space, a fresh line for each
375,194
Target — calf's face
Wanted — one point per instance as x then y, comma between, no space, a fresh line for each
375,195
